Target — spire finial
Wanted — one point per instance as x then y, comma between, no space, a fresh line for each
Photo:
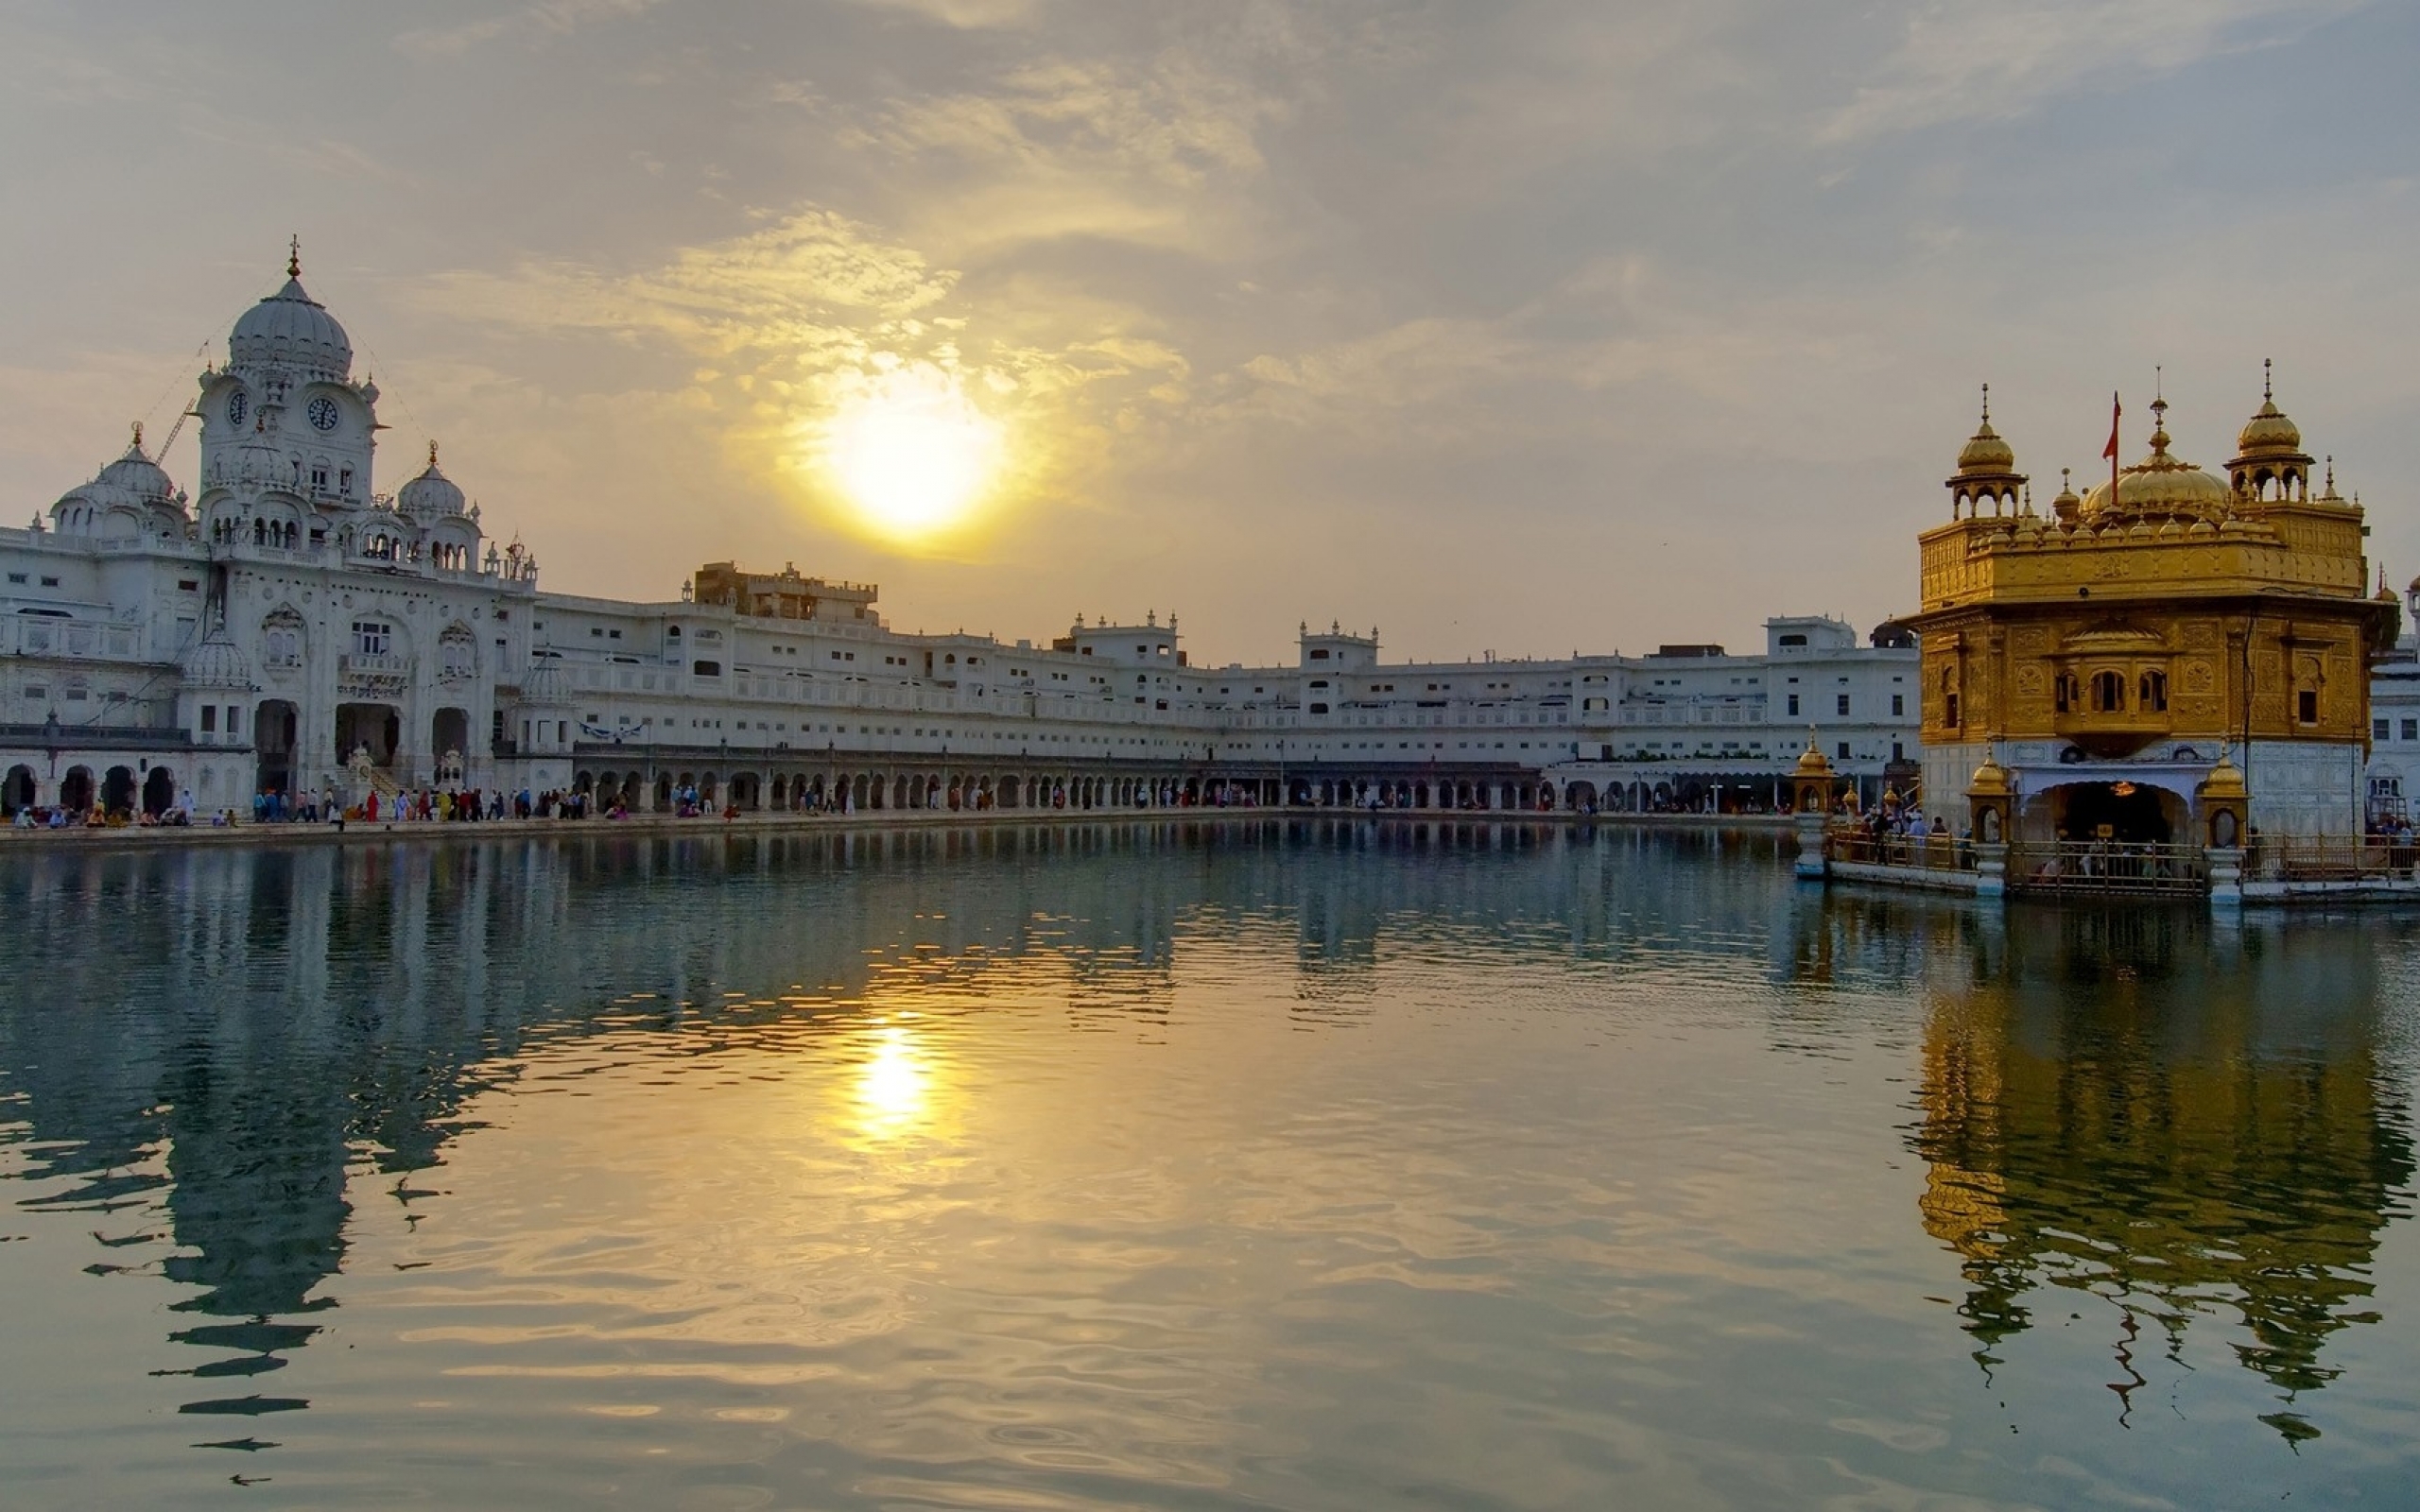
2159,385
138,436
1987,404
2332,475
294,256
2266,393
432,453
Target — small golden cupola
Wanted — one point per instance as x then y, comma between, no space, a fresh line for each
1986,471
2161,487
2066,503
2269,462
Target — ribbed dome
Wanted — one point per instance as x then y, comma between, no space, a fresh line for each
217,662
251,461
138,475
2160,486
432,496
545,683
2269,430
290,328
1985,452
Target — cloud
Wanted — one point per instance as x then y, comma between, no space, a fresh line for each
967,14
1984,59
535,21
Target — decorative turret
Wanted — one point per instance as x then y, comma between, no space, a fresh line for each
1986,470
432,496
2269,462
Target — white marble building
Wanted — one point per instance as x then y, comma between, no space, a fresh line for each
287,619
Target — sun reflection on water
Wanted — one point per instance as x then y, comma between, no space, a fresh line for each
894,1087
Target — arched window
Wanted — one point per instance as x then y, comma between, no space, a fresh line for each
2108,693
2152,693
2068,694
1949,709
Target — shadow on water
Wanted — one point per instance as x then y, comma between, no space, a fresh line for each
226,1044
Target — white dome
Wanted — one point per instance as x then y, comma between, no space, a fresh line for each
217,662
544,683
290,328
139,476
432,496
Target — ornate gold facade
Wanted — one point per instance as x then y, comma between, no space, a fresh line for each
2165,616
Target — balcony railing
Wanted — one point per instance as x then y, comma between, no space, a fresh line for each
2107,866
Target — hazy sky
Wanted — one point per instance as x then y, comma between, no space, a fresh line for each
1513,326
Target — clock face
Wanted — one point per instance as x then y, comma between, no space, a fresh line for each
238,408
323,413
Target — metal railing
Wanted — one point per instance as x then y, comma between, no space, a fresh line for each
2107,866
2346,858
1934,852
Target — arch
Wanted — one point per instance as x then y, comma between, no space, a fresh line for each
284,637
1009,788
158,792
16,791
1581,797
2150,694
663,791
781,790
75,789
119,790
2108,691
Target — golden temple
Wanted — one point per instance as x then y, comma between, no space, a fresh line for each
2110,653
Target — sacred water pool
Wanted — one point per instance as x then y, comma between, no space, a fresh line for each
1294,1164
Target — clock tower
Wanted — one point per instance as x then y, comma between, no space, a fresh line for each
283,415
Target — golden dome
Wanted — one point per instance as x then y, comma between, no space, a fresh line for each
1990,781
2269,430
1984,452
2160,484
2226,779
1811,762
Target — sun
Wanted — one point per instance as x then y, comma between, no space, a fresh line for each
912,453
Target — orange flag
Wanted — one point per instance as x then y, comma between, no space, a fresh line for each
2110,451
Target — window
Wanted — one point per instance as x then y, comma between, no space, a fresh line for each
1320,654
371,637
1899,703
184,585
2307,706
50,583
2064,692
2379,728
1950,711
1319,707
2152,693
1793,703
2108,693
1793,640
706,669
1844,751
2412,730
16,577
1844,705
210,719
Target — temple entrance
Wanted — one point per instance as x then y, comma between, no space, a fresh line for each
373,725
2127,813
274,730
449,741
17,792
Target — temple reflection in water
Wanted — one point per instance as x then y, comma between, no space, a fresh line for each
2185,1123
2185,1120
